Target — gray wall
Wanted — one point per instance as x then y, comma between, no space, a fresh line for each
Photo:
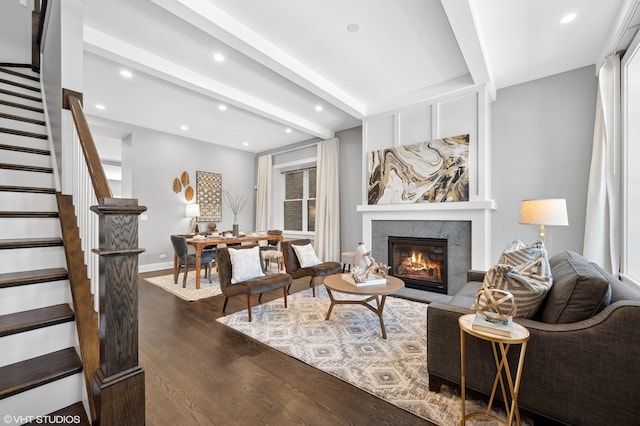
15,32
156,159
542,134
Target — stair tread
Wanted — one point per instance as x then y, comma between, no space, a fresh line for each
35,318
16,84
17,105
29,243
76,411
25,149
23,133
32,189
28,214
26,168
34,372
19,118
19,74
35,276
20,95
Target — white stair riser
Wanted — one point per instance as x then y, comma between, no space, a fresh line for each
18,157
26,259
21,201
36,227
8,123
30,344
34,296
42,400
21,112
22,70
26,178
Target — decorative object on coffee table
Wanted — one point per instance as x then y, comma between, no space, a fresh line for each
367,268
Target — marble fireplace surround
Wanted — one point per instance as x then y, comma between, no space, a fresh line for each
468,220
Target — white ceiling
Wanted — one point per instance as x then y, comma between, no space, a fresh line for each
285,57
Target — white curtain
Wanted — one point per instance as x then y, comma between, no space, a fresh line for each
327,236
602,222
263,194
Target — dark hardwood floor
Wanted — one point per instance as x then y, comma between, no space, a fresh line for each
199,372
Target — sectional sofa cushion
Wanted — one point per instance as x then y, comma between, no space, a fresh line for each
579,290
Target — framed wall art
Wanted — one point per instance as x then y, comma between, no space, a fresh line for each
427,172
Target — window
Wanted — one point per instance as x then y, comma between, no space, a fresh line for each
300,200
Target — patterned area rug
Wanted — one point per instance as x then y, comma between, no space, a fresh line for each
350,347
189,293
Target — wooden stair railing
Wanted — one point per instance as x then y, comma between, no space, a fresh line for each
118,381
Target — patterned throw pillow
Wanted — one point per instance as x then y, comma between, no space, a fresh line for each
306,255
245,264
524,271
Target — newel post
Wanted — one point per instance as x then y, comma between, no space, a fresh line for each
119,382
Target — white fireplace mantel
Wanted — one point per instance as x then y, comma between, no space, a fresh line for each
477,212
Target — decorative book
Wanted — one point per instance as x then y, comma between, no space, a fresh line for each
371,279
501,328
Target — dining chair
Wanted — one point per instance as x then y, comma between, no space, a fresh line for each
186,259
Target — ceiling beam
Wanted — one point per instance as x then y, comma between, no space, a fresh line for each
462,19
120,51
217,23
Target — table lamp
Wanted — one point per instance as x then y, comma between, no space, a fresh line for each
550,211
193,211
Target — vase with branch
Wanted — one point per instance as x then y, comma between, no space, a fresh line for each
236,204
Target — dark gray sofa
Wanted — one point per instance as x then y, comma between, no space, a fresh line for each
582,365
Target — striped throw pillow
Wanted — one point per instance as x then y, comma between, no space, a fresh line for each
524,271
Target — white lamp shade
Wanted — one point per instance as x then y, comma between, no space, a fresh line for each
193,210
551,211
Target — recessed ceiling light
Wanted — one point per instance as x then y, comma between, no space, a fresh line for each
568,18
353,28
245,143
126,73
288,130
100,106
183,127
318,108
222,107
218,57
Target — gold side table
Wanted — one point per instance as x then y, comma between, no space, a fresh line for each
501,346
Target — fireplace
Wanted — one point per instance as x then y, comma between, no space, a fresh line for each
420,262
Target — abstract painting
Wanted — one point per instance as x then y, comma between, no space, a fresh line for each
427,172
209,196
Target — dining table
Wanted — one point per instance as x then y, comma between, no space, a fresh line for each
200,243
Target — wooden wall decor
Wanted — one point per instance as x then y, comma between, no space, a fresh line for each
209,196
177,185
185,178
188,193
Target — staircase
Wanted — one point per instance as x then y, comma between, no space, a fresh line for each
40,369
